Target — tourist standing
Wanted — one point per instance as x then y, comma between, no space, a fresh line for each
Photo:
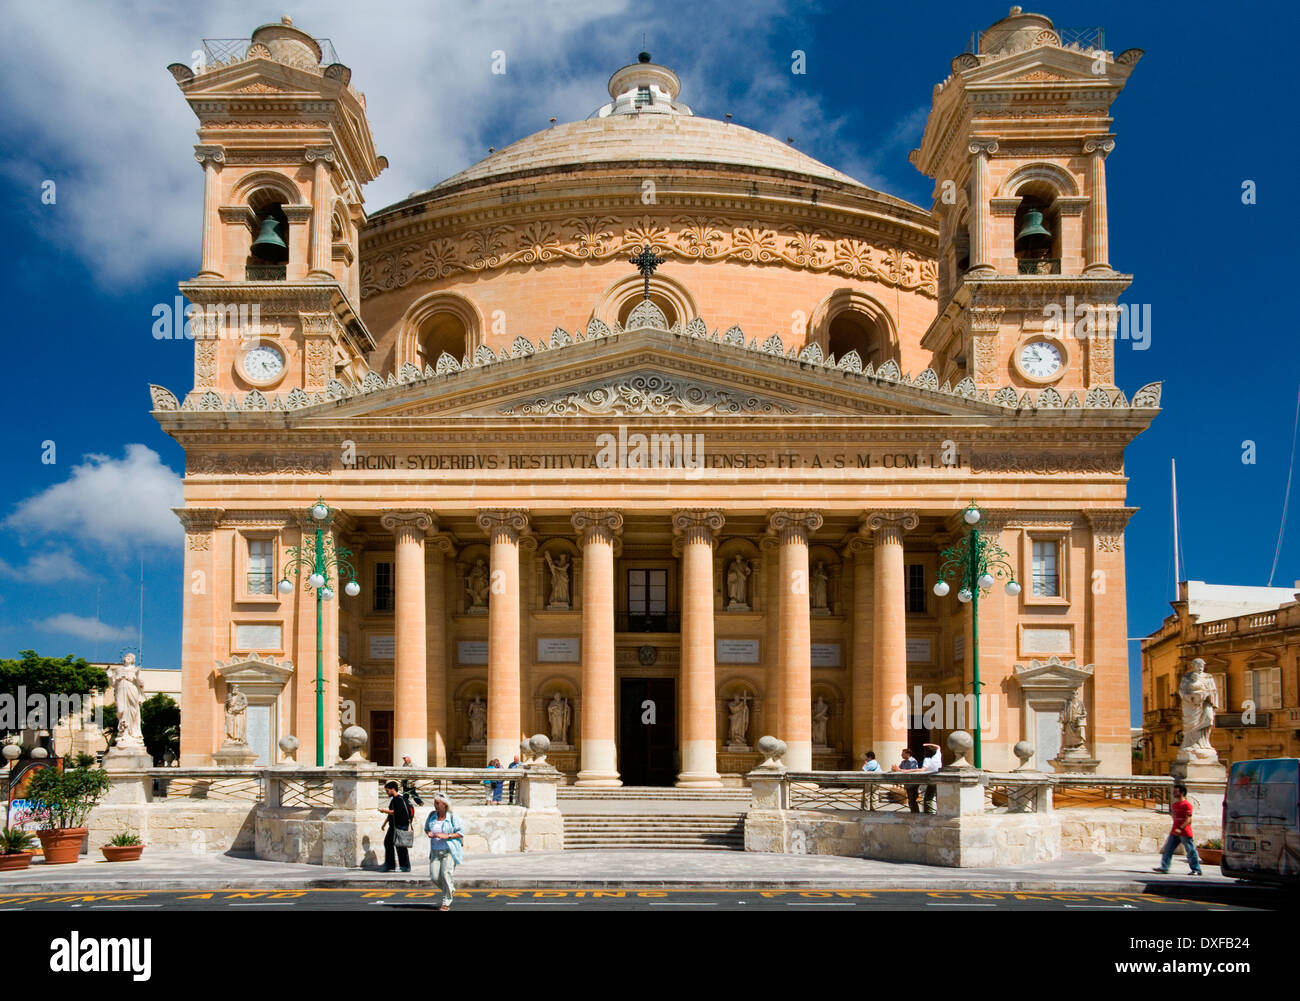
1181,833
908,764
398,837
446,847
871,764
932,762
514,785
494,788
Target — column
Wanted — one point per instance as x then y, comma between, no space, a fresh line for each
791,529
861,701
211,157
1098,249
597,530
1106,645
978,223
438,547
889,628
199,640
320,213
410,722
695,531
504,528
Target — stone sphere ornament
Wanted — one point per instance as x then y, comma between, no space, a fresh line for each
1023,750
354,739
525,750
773,750
539,743
289,746
12,752
39,754
960,743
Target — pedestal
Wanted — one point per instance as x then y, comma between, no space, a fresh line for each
1076,764
1200,772
235,756
128,768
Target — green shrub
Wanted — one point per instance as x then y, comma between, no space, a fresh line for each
69,795
15,841
125,839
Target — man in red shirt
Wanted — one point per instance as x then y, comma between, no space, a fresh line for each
1181,812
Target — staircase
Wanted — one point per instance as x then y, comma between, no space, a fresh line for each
654,818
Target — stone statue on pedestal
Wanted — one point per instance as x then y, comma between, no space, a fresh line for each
559,567
1073,718
236,717
738,584
476,586
1200,698
738,721
128,694
819,580
560,714
821,714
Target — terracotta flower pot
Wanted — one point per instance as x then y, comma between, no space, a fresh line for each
122,853
62,845
1211,856
18,860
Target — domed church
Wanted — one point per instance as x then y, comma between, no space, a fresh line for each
653,435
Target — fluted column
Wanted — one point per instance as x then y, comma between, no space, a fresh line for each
410,698
504,528
791,529
889,632
212,157
320,213
862,699
695,531
597,530
1098,249
979,204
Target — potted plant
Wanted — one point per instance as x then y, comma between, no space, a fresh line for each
68,797
124,847
16,849
1211,852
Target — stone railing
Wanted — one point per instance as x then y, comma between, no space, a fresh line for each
956,791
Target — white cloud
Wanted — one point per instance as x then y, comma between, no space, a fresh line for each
46,568
120,503
92,106
84,627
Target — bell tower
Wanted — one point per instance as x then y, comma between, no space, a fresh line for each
285,148
1016,141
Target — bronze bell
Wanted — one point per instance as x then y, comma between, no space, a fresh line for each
270,244
1033,231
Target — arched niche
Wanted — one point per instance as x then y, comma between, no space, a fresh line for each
436,324
850,320
670,295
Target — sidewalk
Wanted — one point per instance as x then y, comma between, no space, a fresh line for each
184,870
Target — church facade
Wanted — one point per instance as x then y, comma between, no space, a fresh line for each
649,432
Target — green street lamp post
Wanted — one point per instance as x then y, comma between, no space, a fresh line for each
976,564
321,558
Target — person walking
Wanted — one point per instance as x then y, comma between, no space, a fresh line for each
1181,833
932,762
446,847
398,836
908,764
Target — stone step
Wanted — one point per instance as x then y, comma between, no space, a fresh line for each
653,793
723,831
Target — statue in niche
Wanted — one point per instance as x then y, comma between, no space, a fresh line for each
1200,698
559,714
559,567
738,584
738,720
476,586
820,590
1073,717
821,714
477,720
236,717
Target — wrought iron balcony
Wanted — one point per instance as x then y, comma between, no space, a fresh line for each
647,622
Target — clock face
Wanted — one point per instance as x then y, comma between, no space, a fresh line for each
1040,359
263,363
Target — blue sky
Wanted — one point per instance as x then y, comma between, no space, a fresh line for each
91,107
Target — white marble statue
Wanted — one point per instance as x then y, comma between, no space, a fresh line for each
476,585
128,694
820,718
820,590
236,717
560,714
738,584
738,720
1073,717
1200,698
559,567
478,721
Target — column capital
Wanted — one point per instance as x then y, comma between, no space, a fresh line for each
503,524
319,154
1099,144
889,526
199,519
695,525
420,523
603,524
983,146
442,542
789,524
210,154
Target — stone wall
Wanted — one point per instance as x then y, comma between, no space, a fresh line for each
1127,831
202,826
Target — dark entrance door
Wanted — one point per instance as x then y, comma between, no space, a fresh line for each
647,743
381,736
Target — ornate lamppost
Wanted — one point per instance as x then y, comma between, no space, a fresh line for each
320,558
976,564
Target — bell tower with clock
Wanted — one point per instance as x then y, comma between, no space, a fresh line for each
285,148
1016,142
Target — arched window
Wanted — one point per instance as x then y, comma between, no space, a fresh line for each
437,324
439,333
1038,231
850,320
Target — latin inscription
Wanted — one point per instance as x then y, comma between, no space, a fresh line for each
710,459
